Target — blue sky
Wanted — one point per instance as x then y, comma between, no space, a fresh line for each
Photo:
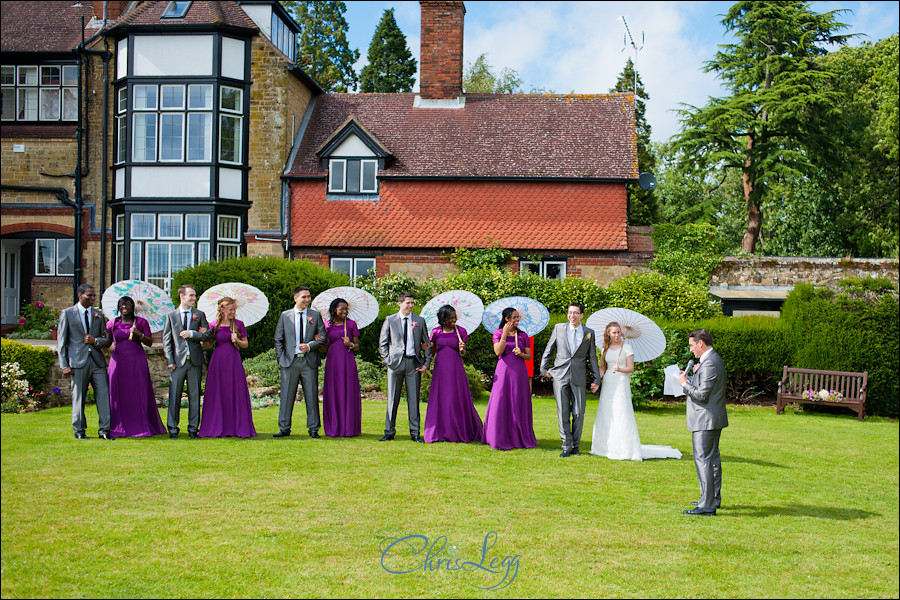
578,46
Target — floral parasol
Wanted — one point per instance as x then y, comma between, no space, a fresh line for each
645,337
469,309
363,307
533,316
252,304
150,302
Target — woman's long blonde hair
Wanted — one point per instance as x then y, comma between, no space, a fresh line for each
220,312
607,340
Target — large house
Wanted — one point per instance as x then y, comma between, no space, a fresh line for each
393,182
142,137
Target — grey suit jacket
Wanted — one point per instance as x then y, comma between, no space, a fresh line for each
176,348
390,343
570,367
70,346
286,337
706,396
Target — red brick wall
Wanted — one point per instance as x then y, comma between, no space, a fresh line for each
441,67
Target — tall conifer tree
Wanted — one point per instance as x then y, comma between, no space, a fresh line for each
644,206
391,67
322,47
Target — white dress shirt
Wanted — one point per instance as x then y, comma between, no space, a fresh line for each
575,336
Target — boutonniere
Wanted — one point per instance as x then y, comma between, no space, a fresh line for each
696,368
588,336
195,317
310,319
414,324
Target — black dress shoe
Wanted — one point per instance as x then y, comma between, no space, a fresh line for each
284,433
576,452
314,435
81,436
386,438
703,512
565,454
194,435
106,436
418,439
717,506
173,436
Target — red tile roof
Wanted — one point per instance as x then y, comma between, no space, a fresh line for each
44,26
521,135
536,215
199,13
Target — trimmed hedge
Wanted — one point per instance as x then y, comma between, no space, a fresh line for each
275,277
33,360
856,329
661,296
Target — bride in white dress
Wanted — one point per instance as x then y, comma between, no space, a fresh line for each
615,429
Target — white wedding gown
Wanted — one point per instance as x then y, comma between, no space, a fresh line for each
615,429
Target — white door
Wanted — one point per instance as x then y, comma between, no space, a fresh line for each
10,278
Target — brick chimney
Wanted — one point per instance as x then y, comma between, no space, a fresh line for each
113,10
441,60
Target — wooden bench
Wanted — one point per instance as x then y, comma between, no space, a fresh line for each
794,382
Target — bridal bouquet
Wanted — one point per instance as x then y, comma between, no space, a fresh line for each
826,395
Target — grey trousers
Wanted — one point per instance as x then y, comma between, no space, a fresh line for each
192,373
570,405
708,462
299,373
405,373
96,376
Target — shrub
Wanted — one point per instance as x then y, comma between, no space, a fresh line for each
266,367
34,361
476,258
855,329
387,288
475,378
649,377
661,296
15,388
275,277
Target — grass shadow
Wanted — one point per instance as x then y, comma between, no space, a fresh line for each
797,510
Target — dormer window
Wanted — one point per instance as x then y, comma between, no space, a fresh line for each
353,176
176,10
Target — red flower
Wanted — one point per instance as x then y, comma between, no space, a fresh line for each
22,320
39,304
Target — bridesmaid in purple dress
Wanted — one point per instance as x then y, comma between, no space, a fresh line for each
451,415
508,422
341,396
132,403
226,401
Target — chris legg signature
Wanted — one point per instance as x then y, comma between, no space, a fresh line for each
400,556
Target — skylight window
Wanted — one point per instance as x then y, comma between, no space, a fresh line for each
176,10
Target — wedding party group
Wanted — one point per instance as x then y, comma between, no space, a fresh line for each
126,403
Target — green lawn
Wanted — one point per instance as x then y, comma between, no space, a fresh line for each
810,510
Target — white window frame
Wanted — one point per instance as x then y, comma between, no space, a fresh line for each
179,148
135,260
159,226
542,267
167,279
204,238
55,259
227,247
341,187
333,185
152,235
180,87
120,227
354,266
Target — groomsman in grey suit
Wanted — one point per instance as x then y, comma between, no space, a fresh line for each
704,386
576,348
184,330
299,334
405,350
81,334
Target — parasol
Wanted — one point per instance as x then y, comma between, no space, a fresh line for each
468,306
363,307
252,305
645,337
533,316
150,301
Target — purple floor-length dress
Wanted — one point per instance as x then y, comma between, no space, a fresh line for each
341,396
451,415
132,403
226,401
508,423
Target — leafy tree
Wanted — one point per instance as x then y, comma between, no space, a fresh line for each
479,78
690,251
687,195
391,67
322,47
644,209
779,100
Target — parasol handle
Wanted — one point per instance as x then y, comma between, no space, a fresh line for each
459,337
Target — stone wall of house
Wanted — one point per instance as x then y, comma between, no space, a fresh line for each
278,101
788,271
